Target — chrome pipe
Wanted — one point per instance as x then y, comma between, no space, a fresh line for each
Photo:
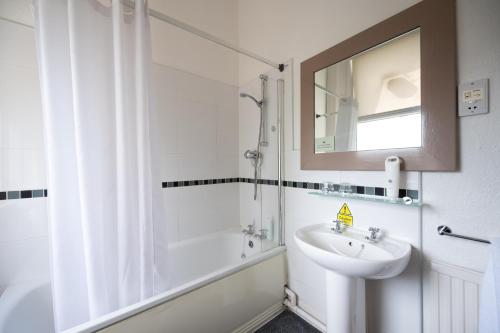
186,27
200,33
281,203
259,103
263,111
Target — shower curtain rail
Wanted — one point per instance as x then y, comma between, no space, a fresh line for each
207,36
190,29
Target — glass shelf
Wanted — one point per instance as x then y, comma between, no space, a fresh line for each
364,197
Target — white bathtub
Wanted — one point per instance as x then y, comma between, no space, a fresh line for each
212,290
26,307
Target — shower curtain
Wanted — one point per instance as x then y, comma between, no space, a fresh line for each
107,237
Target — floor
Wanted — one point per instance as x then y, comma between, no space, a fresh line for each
287,322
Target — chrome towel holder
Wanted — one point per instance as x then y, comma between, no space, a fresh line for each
444,230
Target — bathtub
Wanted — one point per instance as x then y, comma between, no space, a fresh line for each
26,307
213,289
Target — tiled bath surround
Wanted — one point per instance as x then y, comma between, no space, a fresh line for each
21,136
199,140
23,221
199,122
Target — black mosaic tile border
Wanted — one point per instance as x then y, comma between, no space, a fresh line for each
364,190
183,183
273,182
23,194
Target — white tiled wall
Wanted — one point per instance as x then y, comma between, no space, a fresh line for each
199,140
21,136
23,241
23,223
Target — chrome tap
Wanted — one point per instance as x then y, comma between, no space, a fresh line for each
262,234
338,226
250,230
373,234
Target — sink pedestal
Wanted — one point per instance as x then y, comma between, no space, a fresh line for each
345,304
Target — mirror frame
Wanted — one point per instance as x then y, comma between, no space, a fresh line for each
439,151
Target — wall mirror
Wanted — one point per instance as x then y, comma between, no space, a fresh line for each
371,100
389,90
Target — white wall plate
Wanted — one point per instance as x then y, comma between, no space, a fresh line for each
473,98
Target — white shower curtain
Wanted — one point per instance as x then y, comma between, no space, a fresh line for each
108,239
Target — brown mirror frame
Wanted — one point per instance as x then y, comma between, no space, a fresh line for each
436,19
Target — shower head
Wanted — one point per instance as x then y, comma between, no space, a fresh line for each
259,103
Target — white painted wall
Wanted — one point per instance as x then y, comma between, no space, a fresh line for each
280,30
179,49
467,201
464,200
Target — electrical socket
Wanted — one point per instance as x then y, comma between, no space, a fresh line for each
473,98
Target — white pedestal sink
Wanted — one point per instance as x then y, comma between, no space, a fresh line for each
350,259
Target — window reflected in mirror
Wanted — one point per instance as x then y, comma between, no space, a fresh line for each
372,100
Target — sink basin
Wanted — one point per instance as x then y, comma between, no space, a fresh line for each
350,259
350,254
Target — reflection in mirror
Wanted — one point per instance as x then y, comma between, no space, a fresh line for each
372,100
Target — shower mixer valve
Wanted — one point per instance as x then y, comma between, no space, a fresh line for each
252,154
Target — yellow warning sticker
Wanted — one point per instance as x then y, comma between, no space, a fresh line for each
345,216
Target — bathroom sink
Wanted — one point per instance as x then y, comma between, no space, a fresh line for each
350,254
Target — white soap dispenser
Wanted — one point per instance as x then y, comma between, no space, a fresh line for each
392,170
